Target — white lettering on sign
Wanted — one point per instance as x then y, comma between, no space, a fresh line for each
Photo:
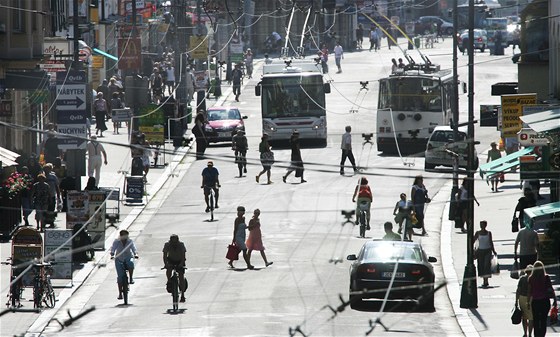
65,91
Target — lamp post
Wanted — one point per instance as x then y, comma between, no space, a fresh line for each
469,296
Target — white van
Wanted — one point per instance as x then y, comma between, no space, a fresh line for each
441,140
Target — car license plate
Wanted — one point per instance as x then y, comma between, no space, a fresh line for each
389,274
224,134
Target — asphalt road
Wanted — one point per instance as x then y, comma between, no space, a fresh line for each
301,225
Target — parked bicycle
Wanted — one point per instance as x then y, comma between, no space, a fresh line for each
16,290
43,291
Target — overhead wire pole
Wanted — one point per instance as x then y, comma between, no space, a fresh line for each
180,66
455,123
469,296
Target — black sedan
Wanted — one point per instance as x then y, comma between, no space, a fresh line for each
405,264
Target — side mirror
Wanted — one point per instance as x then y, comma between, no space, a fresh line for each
258,89
351,257
244,117
432,259
327,88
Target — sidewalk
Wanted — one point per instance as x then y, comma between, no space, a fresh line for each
112,175
492,317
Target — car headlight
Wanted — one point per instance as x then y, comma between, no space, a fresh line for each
268,126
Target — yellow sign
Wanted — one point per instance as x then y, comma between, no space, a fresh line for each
199,47
154,134
512,109
97,61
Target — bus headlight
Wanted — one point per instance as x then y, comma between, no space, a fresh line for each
320,124
268,126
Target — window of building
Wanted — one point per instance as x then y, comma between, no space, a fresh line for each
18,16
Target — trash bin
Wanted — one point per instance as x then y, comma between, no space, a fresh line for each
417,42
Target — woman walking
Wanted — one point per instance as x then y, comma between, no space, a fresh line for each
462,198
484,254
254,242
494,154
116,103
540,292
239,228
522,301
419,198
402,212
101,108
267,158
296,163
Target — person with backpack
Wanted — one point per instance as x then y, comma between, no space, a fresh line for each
363,192
101,110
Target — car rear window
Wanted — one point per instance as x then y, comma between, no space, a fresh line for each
392,251
446,136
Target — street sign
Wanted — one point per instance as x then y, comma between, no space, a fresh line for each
71,97
71,117
121,115
6,109
78,135
71,77
71,109
529,137
199,47
512,109
134,189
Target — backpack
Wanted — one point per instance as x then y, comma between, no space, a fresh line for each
157,81
365,192
100,105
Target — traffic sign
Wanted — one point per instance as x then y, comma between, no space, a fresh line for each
71,77
71,116
71,97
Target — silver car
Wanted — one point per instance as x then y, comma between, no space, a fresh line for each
480,39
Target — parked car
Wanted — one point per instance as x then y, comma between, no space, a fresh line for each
424,25
480,39
374,267
222,123
441,146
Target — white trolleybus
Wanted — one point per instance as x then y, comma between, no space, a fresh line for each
412,102
293,98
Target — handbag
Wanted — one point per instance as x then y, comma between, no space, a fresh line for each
514,272
553,315
495,265
233,252
516,315
515,225
267,158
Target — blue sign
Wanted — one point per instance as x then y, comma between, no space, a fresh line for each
71,77
71,117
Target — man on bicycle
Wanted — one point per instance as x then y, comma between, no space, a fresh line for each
210,181
174,257
363,192
123,251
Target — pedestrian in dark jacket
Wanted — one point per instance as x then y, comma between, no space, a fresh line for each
240,147
200,134
526,201
296,162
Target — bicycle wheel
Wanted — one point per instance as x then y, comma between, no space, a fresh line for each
175,291
211,202
50,298
124,282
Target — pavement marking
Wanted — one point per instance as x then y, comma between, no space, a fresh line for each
453,282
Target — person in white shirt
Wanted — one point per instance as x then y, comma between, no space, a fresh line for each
95,150
346,147
528,242
170,79
123,251
338,55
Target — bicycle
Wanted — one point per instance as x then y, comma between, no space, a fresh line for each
16,290
173,286
43,291
123,280
361,218
211,198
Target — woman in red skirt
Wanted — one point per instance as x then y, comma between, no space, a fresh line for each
254,242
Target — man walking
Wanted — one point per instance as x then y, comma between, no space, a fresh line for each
528,241
95,150
346,146
338,55
236,77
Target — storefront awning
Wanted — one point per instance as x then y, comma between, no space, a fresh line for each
539,211
107,55
7,157
543,121
503,164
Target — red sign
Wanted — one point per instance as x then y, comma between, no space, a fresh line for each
130,53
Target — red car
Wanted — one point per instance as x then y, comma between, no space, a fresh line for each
222,123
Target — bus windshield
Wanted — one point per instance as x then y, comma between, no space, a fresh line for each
410,94
293,96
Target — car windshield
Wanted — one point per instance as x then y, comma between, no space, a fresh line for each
219,115
446,136
392,251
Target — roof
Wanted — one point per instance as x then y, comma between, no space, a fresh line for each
295,67
548,120
7,157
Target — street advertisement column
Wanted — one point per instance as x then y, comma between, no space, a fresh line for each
55,239
96,227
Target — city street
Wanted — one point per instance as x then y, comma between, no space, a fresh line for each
301,226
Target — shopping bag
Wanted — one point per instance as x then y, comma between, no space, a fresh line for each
233,252
514,272
553,315
515,225
495,265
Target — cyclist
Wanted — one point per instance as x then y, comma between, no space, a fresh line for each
174,257
363,192
123,251
210,180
